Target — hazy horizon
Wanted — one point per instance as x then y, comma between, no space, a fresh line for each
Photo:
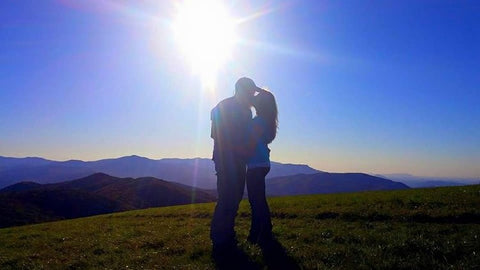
379,87
283,162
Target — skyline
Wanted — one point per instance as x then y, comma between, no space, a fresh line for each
380,88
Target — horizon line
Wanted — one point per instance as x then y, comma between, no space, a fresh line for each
385,175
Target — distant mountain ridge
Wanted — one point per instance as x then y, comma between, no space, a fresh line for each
197,172
422,181
28,202
324,183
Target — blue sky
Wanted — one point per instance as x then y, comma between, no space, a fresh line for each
369,86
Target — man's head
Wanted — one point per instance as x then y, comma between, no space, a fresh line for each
245,90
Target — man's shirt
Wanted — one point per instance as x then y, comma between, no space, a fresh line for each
230,123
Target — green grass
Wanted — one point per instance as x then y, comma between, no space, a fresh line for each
409,229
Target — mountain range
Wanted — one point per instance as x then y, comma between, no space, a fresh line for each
325,183
39,190
28,202
99,193
196,172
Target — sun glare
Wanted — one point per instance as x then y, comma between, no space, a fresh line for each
206,34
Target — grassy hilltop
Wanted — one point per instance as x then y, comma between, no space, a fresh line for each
409,229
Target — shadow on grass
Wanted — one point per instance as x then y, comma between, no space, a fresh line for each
233,259
276,256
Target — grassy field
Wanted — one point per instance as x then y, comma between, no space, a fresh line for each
409,229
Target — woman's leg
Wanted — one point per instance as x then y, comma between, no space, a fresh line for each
261,227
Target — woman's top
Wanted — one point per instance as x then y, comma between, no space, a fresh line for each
261,153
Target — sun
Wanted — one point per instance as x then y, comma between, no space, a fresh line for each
205,32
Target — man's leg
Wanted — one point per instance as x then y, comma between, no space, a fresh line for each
230,185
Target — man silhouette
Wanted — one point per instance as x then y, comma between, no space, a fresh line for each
230,121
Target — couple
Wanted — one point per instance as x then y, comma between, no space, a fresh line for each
241,155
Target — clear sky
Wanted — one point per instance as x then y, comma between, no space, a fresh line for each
369,86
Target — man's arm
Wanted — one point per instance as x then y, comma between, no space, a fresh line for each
213,119
220,132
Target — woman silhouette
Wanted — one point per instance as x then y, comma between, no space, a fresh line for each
263,131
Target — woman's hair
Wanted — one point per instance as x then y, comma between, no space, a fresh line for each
266,107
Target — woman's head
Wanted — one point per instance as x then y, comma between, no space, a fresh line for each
266,107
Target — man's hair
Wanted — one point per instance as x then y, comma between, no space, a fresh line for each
244,84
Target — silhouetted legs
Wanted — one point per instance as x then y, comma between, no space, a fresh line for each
261,227
230,186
